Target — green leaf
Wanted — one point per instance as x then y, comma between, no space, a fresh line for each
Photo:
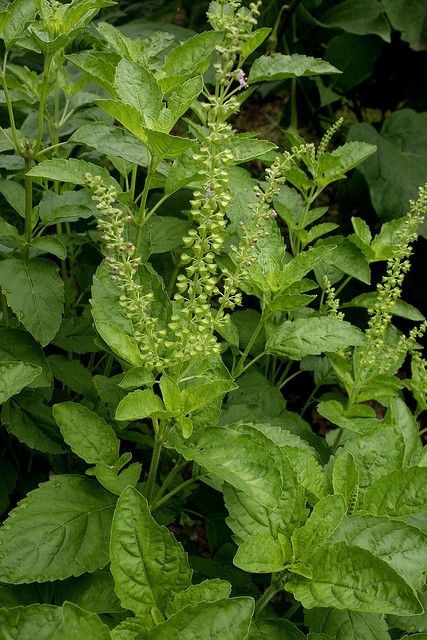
312,336
300,265
30,420
14,194
403,421
324,519
78,623
58,530
244,459
16,17
120,343
66,207
248,518
178,102
336,164
73,171
88,435
73,374
344,255
402,546
377,453
345,477
39,621
48,244
188,59
73,13
360,17
112,141
35,293
148,565
400,165
164,145
409,18
112,324
398,494
166,233
262,553
400,308
91,591
14,376
206,591
138,87
137,377
114,481
253,41
347,625
225,619
100,66
355,55
412,623
361,419
138,405
279,67
274,629
347,577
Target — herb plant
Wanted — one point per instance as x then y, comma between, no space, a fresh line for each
158,301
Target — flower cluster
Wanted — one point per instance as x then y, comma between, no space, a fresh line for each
124,264
323,145
332,302
245,255
236,22
390,288
194,320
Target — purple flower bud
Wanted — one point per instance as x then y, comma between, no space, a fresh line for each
209,193
241,78
114,278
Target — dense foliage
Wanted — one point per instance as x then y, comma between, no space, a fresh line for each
199,439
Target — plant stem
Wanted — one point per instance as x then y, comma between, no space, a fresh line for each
159,503
292,609
4,308
28,184
9,106
265,598
171,475
294,375
142,208
44,92
239,369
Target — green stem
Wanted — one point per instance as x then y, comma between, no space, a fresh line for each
159,503
239,369
265,598
292,609
44,92
155,459
28,185
172,278
337,440
9,106
4,308
343,284
171,475
294,110
142,208
294,375
108,365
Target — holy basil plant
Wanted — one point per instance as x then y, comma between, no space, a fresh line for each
158,293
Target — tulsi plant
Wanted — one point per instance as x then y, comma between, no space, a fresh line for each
158,300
